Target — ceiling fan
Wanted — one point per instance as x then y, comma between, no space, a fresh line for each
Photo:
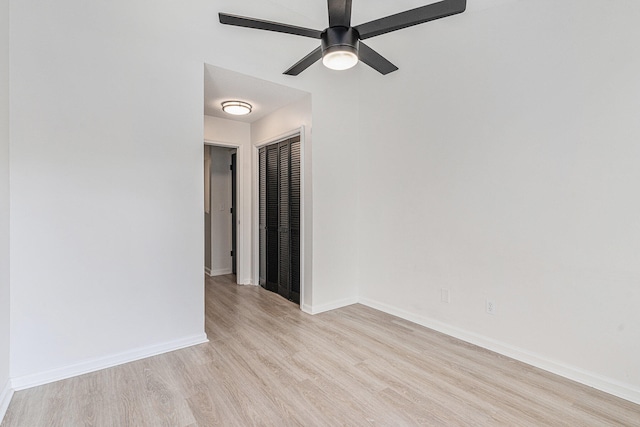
341,44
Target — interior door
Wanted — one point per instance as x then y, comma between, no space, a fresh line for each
279,217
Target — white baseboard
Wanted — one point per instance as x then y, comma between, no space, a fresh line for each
317,309
5,398
221,271
84,367
625,391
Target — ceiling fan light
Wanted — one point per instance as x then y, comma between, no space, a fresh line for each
236,108
340,57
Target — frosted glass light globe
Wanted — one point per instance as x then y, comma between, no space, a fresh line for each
340,60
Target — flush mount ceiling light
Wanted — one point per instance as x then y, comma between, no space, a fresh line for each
237,108
341,44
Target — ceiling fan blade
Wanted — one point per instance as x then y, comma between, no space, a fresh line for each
411,17
374,60
339,13
305,62
241,21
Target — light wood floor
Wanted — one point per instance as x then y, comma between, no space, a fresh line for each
269,364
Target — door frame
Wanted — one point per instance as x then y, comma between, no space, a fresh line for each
256,204
234,213
240,226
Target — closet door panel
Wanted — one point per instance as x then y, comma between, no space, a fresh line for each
284,283
272,244
294,212
262,215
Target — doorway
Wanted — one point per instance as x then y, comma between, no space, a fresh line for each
220,210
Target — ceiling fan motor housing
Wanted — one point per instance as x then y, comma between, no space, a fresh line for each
340,39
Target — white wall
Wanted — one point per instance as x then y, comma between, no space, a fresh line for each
501,161
106,173
237,134
106,186
227,131
334,194
5,393
221,223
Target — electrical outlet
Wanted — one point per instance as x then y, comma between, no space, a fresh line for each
445,295
491,306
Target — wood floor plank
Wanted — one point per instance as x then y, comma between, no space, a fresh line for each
269,364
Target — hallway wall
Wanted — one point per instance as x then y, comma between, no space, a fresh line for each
230,132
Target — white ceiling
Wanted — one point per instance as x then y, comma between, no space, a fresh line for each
265,97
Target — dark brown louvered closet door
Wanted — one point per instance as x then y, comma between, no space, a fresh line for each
279,218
